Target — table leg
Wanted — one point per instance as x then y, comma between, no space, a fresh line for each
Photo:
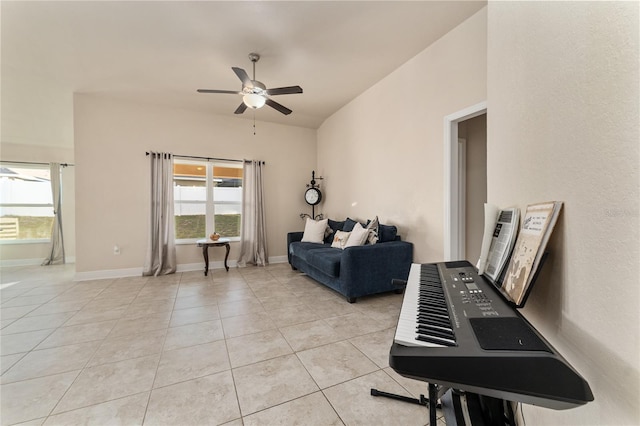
226,256
205,254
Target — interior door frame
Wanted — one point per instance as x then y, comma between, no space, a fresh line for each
453,250
462,196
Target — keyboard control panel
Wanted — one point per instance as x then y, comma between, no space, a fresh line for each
472,294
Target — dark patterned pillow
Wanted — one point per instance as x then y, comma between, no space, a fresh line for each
387,233
349,224
373,227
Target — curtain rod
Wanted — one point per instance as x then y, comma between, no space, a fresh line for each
35,163
209,158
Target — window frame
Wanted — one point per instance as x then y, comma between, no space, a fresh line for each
21,165
209,203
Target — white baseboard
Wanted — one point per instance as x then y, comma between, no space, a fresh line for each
137,272
107,273
6,263
20,262
188,267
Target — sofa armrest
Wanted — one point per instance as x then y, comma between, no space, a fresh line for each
292,237
372,267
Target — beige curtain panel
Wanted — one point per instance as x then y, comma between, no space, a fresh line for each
253,240
56,256
161,248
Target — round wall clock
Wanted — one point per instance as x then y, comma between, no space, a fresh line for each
313,196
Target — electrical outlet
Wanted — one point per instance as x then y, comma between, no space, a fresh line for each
116,249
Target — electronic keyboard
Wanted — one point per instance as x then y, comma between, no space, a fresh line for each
456,330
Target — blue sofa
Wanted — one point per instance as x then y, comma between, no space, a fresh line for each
355,271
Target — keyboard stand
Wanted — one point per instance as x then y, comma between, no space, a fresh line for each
461,407
422,401
435,392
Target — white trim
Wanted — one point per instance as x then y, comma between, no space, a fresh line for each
188,267
462,194
278,259
137,272
21,262
109,273
7,263
219,264
452,249
25,241
193,241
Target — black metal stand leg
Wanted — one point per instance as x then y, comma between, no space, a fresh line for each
433,398
422,401
431,402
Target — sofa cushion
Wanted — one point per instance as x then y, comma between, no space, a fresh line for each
326,260
314,231
302,250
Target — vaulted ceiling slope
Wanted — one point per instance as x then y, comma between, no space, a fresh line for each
161,52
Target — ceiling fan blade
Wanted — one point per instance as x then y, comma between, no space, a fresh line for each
283,109
241,108
231,92
243,76
284,90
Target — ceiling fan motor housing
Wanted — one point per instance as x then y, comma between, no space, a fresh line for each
256,87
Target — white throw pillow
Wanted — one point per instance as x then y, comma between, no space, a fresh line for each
358,236
314,231
340,239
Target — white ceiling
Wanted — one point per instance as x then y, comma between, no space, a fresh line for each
161,52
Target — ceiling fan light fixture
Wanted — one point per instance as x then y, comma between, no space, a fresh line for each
253,100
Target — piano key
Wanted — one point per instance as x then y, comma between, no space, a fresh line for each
434,331
441,310
434,322
424,318
437,340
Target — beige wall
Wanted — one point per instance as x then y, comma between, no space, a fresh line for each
382,154
111,138
563,125
34,253
562,95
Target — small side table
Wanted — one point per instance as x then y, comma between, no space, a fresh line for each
205,243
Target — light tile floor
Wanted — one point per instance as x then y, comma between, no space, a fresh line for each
252,346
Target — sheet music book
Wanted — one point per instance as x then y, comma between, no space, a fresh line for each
500,231
537,225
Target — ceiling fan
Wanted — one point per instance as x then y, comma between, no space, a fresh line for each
254,93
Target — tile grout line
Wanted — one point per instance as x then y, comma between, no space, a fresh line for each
164,341
86,363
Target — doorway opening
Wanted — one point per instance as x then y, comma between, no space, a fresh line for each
464,191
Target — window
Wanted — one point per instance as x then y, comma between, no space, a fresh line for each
26,203
208,199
